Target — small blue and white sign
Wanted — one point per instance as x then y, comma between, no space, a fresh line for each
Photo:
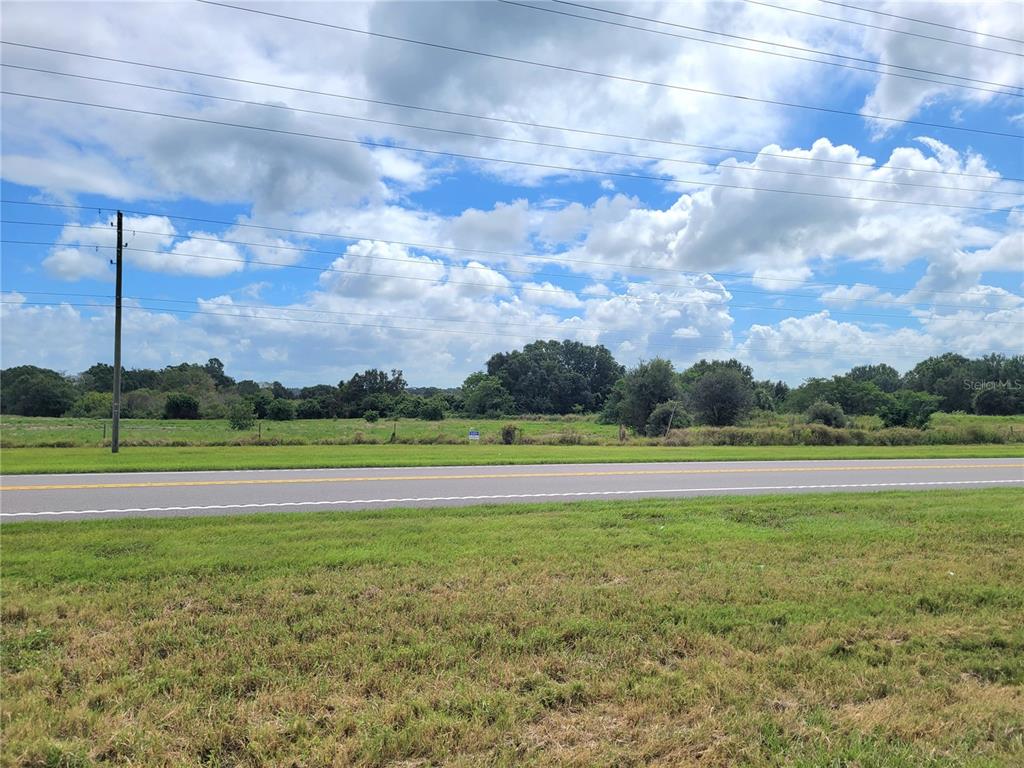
474,434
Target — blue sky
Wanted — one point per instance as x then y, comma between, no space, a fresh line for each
794,285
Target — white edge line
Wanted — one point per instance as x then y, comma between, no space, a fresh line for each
567,494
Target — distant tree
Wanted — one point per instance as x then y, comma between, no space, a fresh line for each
27,390
281,410
280,391
829,414
143,404
950,377
770,395
309,409
372,389
240,415
556,376
432,408
215,370
247,388
93,405
635,396
998,401
328,400
854,397
138,378
720,398
371,416
883,376
697,371
181,405
484,395
906,408
260,402
98,378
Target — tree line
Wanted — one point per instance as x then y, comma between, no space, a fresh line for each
544,378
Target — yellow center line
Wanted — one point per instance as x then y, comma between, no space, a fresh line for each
497,475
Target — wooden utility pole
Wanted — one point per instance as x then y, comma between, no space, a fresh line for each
115,431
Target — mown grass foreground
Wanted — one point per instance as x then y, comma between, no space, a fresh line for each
15,461
849,630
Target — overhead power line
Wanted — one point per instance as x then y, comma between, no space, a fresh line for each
872,69
874,26
522,287
502,120
920,21
531,142
485,158
620,78
507,270
476,251
694,347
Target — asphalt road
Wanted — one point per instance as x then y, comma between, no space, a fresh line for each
165,494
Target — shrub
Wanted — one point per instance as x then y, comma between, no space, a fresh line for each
906,408
432,409
241,415
143,404
668,415
371,416
310,409
180,405
509,434
281,410
95,405
997,401
829,414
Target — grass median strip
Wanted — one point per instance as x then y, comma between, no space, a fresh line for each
882,629
83,460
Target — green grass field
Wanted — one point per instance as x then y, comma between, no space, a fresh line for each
863,630
21,431
54,460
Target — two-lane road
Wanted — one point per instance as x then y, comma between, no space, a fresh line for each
161,494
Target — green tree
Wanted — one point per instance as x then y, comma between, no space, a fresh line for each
27,390
883,376
997,401
98,378
432,408
309,409
143,404
240,415
281,410
181,405
484,395
907,408
215,370
950,377
372,389
556,376
720,398
635,396
93,405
